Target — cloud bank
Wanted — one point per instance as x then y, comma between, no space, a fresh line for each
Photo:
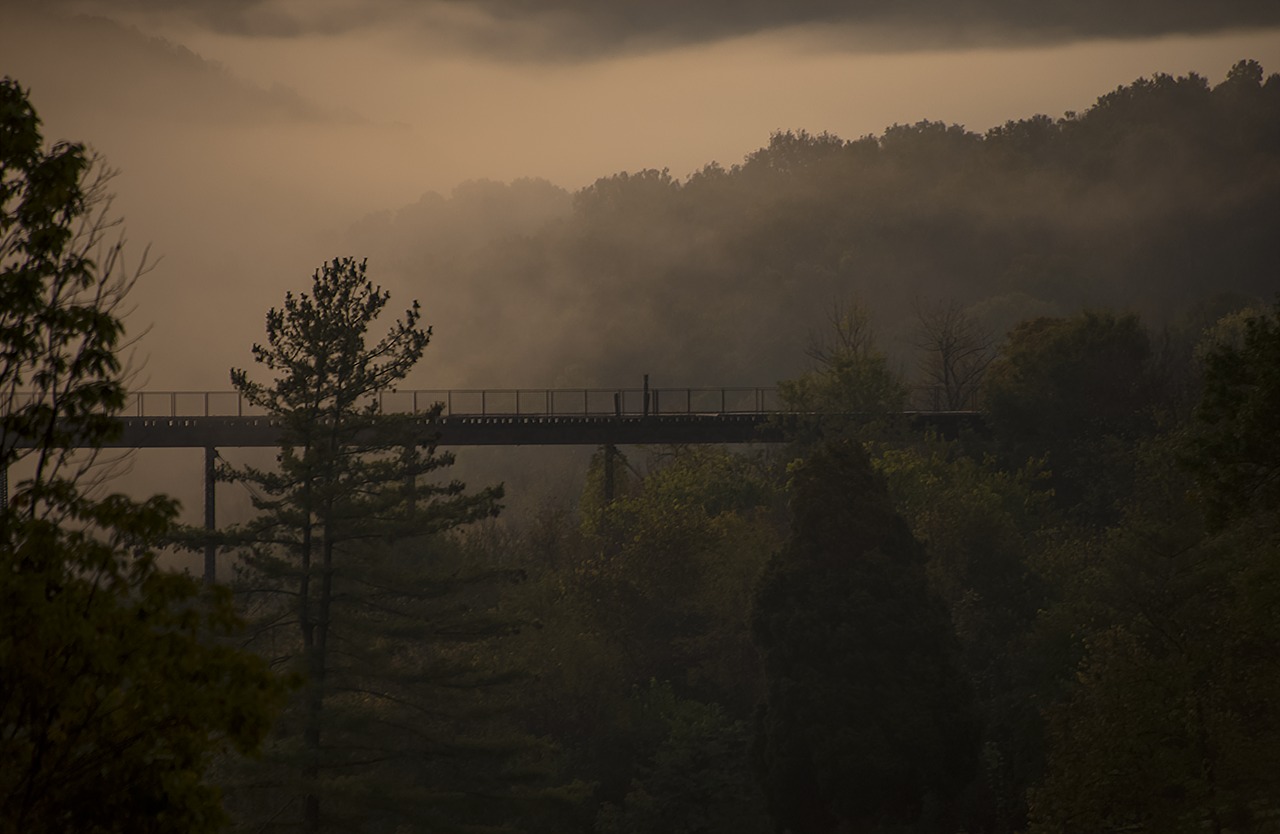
581,29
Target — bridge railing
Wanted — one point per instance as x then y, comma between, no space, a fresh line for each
551,402
457,402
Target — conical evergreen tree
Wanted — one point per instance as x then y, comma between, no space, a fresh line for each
351,578
867,722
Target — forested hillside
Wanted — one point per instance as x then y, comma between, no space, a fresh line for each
1065,624
1163,193
1062,620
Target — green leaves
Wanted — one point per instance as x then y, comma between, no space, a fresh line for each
318,344
118,688
1077,390
851,376
118,684
697,781
1235,448
342,573
867,719
1167,717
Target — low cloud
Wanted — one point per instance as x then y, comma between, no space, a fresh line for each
103,66
580,29
572,30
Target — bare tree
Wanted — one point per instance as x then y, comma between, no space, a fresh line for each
957,351
850,375
849,334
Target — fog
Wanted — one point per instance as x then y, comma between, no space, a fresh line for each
244,158
257,139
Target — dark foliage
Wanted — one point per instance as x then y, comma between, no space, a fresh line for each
867,718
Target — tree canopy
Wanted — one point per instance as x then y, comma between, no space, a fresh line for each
867,720
118,688
347,576
1236,451
1159,194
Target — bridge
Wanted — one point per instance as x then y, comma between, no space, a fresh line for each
606,417
510,417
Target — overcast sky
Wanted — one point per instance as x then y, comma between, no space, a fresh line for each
251,133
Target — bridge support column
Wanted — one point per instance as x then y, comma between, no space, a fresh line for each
610,455
210,515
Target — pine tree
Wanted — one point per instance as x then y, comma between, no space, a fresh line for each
867,721
348,572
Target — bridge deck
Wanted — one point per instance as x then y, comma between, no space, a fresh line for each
514,417
519,430
473,430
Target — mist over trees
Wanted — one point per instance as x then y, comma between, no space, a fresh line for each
348,579
1093,572
1161,194
1064,622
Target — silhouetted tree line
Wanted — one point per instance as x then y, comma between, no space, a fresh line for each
1064,625
1067,623
1163,191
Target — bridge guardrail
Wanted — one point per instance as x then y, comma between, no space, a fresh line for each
550,402
457,402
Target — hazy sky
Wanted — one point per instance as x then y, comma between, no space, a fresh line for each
251,134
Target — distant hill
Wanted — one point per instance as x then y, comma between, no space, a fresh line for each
1162,194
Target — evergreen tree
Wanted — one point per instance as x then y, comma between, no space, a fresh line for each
867,723
348,573
981,527
697,779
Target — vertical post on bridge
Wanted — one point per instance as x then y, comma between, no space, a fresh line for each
210,516
646,395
